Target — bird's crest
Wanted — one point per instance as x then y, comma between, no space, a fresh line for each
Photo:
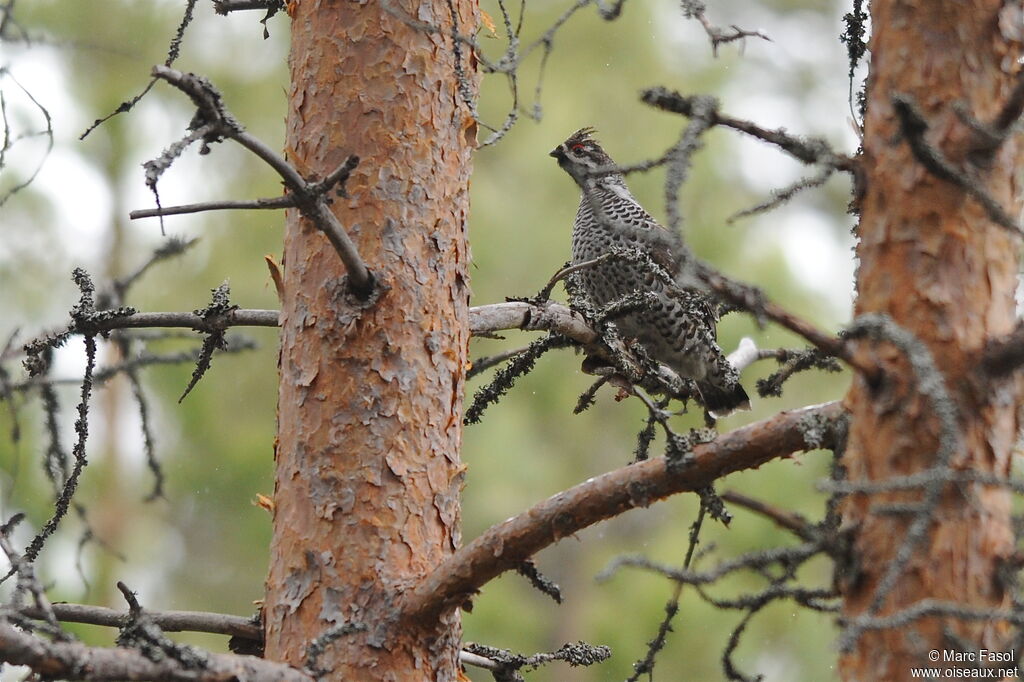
582,135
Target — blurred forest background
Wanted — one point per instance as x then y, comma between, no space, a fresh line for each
204,546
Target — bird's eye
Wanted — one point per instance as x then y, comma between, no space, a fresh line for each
577,147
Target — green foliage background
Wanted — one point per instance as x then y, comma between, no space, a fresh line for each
204,546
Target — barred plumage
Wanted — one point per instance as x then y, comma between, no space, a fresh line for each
679,328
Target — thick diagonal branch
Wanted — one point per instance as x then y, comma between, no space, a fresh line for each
506,545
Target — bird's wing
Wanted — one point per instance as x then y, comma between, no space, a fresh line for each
659,242
699,305
631,213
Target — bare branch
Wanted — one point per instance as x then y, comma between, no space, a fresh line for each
752,299
781,196
506,545
565,271
504,379
922,479
807,150
309,197
483,364
512,57
478,661
75,661
792,361
171,621
496,317
782,517
679,156
483,320
756,561
518,315
187,621
645,666
228,205
233,318
170,248
935,607
28,584
173,51
9,140
694,9
226,6
128,367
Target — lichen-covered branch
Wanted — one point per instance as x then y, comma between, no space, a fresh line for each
76,661
550,317
807,150
170,621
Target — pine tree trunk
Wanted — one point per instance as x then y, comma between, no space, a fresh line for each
932,260
370,406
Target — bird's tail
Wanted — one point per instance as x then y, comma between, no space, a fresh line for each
722,401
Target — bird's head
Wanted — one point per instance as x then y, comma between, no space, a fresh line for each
581,155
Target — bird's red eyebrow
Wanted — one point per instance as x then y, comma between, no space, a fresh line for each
576,146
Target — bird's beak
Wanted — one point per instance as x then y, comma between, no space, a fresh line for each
556,153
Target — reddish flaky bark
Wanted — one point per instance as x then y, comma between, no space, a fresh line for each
368,472
933,260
